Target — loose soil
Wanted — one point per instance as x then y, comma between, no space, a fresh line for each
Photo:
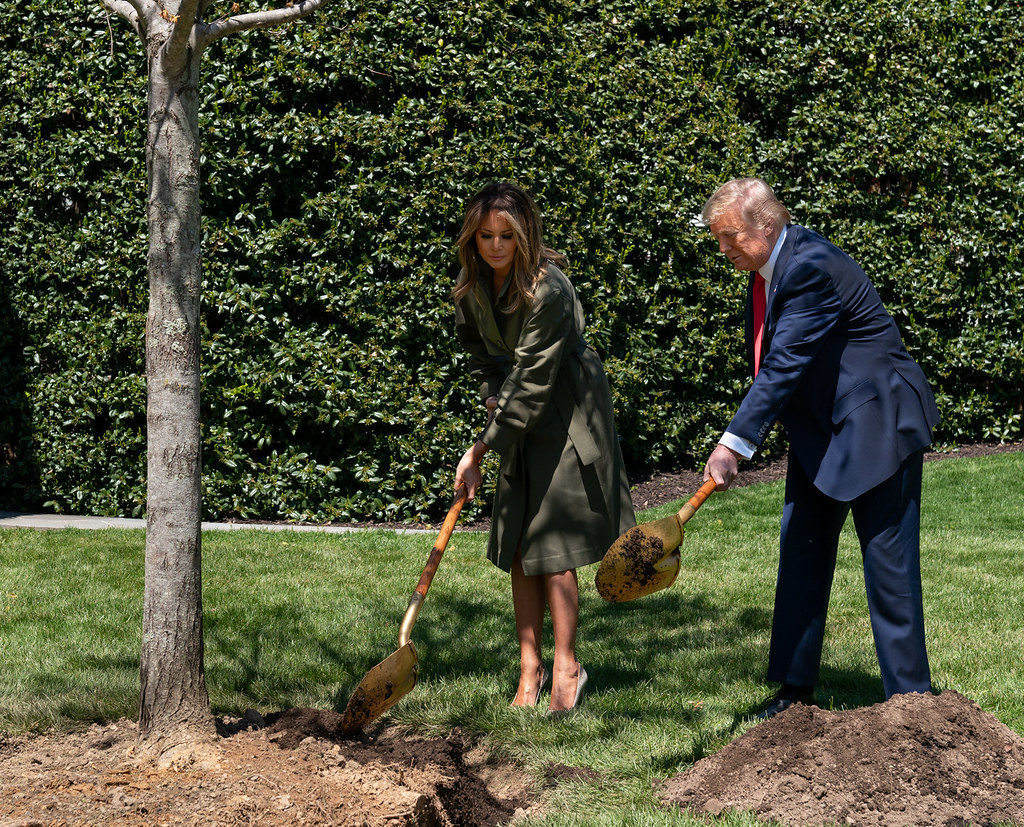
288,769
917,759
630,568
913,760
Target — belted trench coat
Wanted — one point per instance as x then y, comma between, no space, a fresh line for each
562,495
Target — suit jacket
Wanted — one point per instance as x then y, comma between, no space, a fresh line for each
834,372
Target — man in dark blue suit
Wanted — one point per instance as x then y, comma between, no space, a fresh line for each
829,364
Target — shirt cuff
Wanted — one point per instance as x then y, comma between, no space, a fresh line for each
741,446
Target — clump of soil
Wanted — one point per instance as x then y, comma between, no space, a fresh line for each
555,774
292,772
913,760
632,568
642,551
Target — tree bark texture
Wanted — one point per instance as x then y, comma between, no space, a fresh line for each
174,701
175,706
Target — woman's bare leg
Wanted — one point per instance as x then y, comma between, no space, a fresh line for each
528,602
563,597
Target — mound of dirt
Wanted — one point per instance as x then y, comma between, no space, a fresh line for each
913,760
288,773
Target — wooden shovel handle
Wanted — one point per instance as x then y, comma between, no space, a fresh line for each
434,560
696,501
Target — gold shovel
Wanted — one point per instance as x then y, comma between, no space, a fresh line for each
646,558
395,676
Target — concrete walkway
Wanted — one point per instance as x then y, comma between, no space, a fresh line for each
12,519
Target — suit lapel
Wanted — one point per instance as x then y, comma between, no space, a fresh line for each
793,234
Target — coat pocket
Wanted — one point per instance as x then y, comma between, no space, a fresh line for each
853,399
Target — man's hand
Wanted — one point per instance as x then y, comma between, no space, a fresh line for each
722,466
468,471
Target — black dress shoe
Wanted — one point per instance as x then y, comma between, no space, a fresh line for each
784,699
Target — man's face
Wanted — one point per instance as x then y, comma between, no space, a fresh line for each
747,247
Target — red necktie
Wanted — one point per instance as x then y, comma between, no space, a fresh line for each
759,306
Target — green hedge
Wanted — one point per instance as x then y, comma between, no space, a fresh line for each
338,156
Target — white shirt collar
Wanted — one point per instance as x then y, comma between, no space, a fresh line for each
769,268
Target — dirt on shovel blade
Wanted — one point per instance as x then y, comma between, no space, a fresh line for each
358,714
641,552
380,689
632,567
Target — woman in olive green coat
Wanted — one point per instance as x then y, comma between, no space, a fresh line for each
562,497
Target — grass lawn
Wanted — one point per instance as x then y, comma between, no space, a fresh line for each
296,619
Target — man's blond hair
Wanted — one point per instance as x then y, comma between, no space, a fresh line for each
756,201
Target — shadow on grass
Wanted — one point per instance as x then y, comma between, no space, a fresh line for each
647,659
668,630
848,688
630,644
88,688
268,652
479,636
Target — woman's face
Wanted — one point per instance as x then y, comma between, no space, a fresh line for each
496,241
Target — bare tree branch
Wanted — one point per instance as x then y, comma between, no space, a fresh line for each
182,30
130,10
209,32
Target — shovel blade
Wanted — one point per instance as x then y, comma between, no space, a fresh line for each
380,689
643,560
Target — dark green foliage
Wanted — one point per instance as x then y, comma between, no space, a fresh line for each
338,154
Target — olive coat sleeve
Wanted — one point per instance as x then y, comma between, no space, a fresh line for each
544,342
486,367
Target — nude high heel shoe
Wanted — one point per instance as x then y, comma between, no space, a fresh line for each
544,675
581,681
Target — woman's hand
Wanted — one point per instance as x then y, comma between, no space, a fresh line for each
468,471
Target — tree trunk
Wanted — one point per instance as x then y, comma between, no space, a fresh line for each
175,706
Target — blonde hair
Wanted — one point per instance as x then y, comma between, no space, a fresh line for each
755,199
519,210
